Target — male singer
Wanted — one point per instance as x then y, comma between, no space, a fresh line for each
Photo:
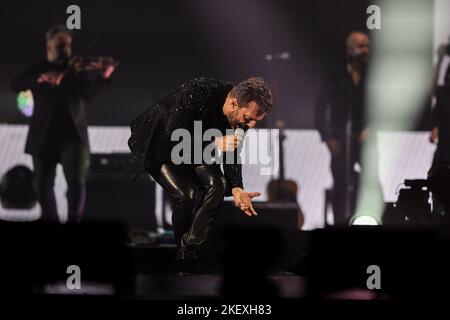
196,190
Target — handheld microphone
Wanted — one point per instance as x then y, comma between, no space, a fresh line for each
241,129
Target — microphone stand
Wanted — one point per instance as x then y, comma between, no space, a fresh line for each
272,58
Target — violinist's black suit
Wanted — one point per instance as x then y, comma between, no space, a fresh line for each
58,132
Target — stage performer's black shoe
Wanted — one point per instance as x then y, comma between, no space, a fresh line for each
187,261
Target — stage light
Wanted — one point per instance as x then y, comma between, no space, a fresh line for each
397,84
364,221
25,102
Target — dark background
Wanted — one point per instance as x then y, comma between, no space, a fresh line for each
161,44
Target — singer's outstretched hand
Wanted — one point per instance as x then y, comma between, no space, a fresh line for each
243,200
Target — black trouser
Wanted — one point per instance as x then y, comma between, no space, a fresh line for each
74,157
341,186
195,192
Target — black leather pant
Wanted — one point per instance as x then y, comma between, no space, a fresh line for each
195,192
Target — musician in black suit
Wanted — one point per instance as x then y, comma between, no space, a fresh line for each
58,128
340,118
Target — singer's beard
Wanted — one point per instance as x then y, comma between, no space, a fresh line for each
232,119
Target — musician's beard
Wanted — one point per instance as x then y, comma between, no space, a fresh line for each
360,59
63,57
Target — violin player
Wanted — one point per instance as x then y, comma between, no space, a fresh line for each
58,127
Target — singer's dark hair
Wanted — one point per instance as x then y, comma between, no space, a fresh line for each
54,30
253,89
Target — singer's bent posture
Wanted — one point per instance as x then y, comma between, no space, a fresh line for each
196,190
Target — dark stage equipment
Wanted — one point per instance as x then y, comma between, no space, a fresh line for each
409,263
412,207
40,258
17,189
113,196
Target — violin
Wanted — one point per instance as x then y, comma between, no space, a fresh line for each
78,64
90,63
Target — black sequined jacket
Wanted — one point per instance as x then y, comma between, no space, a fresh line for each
199,99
